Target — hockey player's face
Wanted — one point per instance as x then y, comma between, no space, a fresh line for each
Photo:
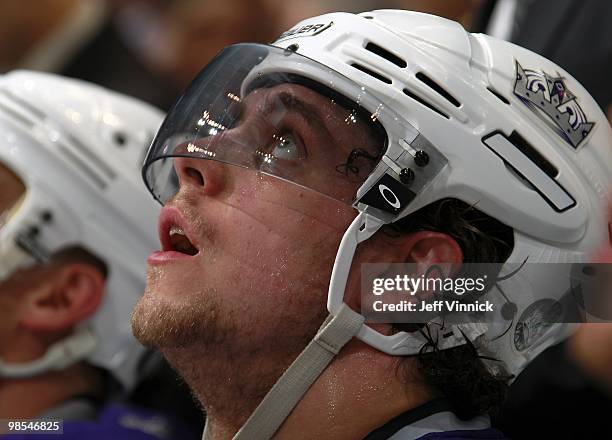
11,287
14,286
11,190
247,256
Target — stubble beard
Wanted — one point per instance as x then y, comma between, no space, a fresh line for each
229,361
161,324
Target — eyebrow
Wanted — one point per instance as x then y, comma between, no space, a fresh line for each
308,111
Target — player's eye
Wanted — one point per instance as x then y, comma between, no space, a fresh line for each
288,147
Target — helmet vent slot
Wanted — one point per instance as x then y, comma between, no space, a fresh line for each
498,95
425,103
71,148
367,71
91,157
527,149
384,53
7,111
437,88
531,166
36,113
81,165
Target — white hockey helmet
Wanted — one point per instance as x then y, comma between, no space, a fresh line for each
466,117
77,148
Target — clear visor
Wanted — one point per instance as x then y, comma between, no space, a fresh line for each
258,107
13,189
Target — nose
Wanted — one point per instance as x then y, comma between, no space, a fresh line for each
201,175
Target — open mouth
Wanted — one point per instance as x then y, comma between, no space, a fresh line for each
179,242
174,233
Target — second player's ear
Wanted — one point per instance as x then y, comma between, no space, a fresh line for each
69,294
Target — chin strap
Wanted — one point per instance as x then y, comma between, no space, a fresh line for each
60,355
272,411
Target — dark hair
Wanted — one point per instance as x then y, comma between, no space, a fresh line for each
459,374
77,254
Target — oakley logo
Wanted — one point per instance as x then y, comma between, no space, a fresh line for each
387,193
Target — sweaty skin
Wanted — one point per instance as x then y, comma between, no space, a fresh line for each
232,317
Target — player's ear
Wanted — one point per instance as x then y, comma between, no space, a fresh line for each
429,247
423,249
69,294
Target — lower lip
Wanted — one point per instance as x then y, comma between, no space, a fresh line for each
160,257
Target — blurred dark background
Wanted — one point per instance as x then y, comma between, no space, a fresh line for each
151,49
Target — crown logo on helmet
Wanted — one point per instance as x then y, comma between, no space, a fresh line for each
549,95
